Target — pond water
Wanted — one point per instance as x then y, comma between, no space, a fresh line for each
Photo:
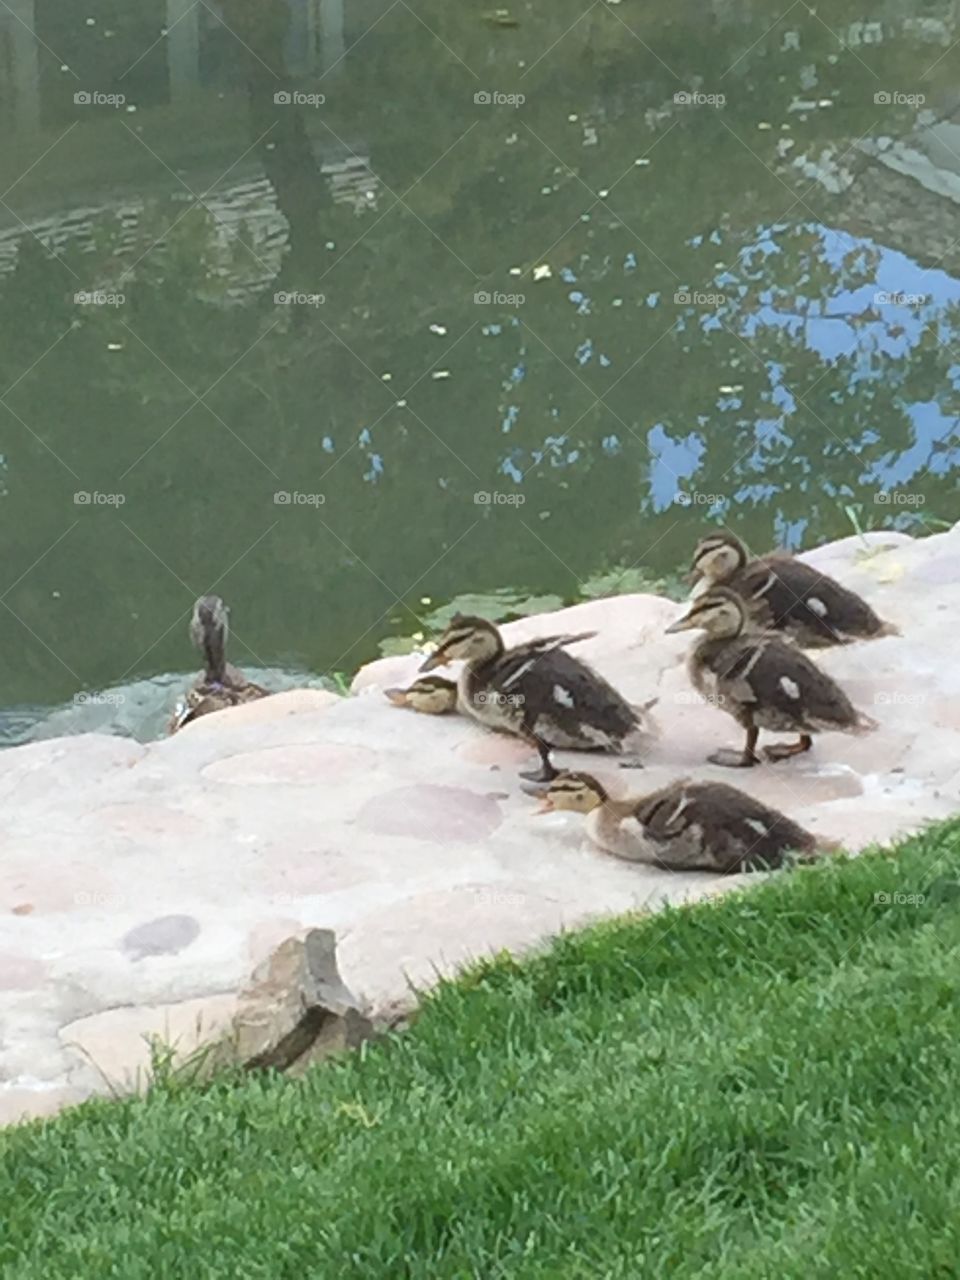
345,307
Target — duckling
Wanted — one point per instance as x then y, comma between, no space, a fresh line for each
221,685
812,608
431,695
535,691
762,680
685,826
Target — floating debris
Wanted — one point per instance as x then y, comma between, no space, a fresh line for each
499,18
440,329
542,272
440,373
386,377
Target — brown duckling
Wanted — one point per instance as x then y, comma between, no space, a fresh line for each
221,685
788,595
762,680
430,695
685,826
536,691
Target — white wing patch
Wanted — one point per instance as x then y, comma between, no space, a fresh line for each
684,803
756,825
816,606
790,687
520,671
762,591
563,696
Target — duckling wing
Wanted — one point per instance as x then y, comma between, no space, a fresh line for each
742,832
710,825
568,703
516,662
799,597
783,687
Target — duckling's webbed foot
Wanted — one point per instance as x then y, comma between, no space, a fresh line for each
784,750
630,762
744,759
732,759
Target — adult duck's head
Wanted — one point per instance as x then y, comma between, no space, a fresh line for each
719,612
466,639
431,695
717,558
209,628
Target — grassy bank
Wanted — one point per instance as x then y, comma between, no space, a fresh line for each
763,1086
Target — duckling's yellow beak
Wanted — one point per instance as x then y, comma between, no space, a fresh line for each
682,624
433,660
545,806
399,697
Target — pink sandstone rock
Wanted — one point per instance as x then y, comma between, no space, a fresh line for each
155,877
279,705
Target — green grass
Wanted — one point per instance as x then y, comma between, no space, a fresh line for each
764,1086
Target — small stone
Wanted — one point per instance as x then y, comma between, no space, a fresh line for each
296,1008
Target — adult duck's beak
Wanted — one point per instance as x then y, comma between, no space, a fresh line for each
681,624
398,697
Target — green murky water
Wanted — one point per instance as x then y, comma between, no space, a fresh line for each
334,307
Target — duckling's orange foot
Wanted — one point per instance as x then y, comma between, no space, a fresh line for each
732,759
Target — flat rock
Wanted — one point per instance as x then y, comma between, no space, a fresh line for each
141,885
